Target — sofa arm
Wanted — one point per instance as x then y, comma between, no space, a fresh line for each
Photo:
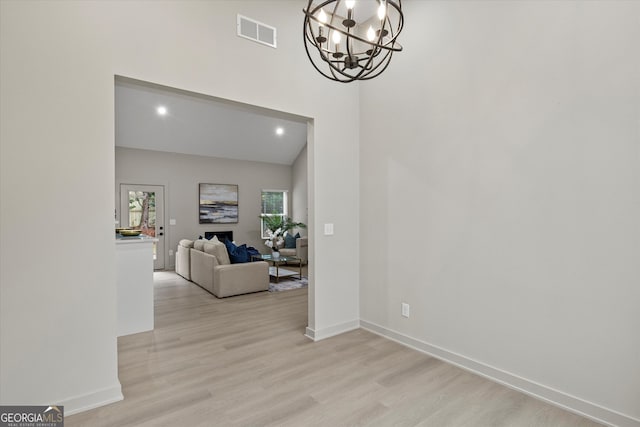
236,279
202,267
302,248
183,262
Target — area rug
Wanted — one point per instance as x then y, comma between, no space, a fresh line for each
286,284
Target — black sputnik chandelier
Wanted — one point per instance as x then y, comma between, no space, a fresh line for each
349,40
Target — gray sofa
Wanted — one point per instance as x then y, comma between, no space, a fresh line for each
206,263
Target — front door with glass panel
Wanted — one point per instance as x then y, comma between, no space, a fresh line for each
141,208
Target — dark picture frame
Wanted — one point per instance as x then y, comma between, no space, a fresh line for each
218,203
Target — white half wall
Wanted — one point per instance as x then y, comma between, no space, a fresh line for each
500,194
57,251
59,59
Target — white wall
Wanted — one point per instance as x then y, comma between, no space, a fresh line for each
299,193
500,195
58,339
181,173
57,303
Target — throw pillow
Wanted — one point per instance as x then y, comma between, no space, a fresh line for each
231,248
240,255
237,254
251,251
230,245
290,241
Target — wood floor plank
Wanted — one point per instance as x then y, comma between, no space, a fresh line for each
244,361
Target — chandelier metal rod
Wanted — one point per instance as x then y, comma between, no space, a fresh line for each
355,58
312,16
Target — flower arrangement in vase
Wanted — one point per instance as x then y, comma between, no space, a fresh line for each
276,228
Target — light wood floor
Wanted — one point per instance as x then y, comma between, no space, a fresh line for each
243,361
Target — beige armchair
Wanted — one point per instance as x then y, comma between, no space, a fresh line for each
301,250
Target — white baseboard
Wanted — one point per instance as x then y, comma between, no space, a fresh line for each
555,397
92,400
320,334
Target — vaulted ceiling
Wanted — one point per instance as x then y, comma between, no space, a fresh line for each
203,125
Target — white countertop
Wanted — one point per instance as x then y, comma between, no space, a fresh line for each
121,240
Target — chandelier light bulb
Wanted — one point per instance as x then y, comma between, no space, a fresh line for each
371,34
382,11
322,17
350,3
336,37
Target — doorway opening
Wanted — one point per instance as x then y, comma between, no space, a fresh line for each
162,146
142,208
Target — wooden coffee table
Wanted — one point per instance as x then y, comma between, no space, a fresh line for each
275,270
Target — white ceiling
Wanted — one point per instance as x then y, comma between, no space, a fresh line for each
203,125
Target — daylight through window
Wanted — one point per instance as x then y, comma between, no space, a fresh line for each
274,203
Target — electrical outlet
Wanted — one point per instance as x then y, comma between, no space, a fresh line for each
170,252
406,310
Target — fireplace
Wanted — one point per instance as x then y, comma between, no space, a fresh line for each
222,235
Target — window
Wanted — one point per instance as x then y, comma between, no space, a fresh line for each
274,204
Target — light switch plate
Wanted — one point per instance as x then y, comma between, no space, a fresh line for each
172,221
406,310
328,229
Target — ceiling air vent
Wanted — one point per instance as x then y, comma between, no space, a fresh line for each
256,31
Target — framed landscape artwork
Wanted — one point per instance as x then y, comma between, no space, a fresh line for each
218,203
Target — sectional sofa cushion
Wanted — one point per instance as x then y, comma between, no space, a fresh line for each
219,250
198,245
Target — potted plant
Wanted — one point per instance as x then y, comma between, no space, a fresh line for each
276,227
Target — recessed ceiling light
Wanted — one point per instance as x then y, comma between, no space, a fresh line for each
279,131
161,110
